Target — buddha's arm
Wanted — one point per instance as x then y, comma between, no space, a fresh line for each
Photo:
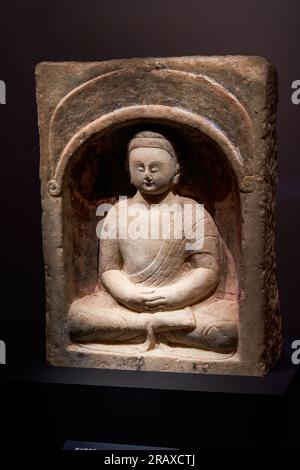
131,295
198,284
117,283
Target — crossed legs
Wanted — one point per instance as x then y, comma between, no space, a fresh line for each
212,325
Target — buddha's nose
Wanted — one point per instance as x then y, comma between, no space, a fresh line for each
148,177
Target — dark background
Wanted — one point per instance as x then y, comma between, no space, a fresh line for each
43,415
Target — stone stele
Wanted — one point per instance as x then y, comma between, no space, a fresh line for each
160,135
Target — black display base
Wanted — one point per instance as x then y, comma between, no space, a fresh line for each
149,409
276,383
44,407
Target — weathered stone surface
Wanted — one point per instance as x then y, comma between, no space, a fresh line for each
220,113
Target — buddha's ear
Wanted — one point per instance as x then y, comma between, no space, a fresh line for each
176,176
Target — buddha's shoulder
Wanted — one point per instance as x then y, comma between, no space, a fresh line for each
121,206
201,213
189,201
185,200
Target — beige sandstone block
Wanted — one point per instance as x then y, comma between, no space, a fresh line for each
219,113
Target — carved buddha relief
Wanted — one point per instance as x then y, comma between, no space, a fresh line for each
158,283
154,234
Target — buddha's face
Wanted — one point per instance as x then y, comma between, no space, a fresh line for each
152,170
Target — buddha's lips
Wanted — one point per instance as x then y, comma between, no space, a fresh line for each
148,183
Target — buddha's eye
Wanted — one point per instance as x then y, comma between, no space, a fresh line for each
154,169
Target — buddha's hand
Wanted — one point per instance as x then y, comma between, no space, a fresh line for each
135,297
143,299
163,298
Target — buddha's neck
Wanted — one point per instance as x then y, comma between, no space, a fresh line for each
165,198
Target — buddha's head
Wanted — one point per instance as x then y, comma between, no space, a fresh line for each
152,162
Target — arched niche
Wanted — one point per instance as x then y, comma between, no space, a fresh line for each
96,172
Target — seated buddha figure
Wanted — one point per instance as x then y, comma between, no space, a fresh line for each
161,283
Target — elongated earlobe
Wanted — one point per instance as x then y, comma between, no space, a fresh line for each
176,177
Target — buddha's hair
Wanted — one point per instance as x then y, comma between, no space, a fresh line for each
152,139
